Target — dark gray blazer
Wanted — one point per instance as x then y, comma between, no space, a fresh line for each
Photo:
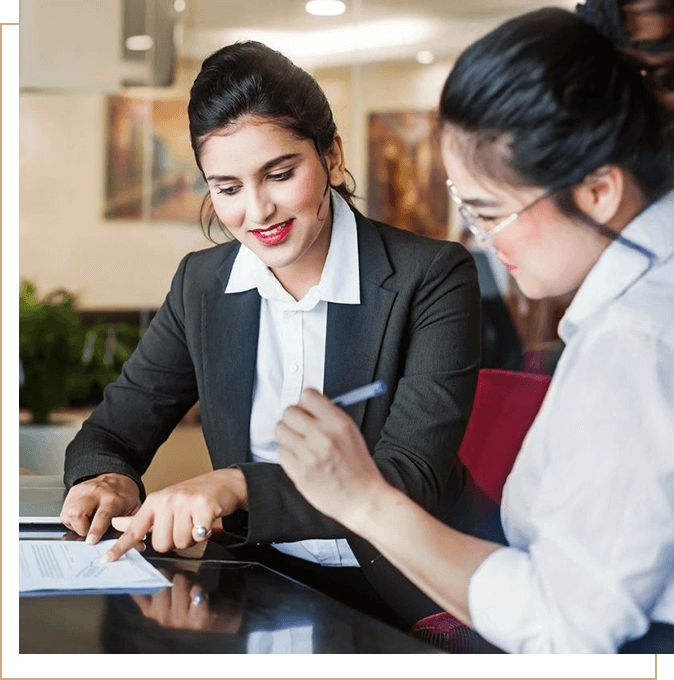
417,328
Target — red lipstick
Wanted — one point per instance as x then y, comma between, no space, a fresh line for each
274,234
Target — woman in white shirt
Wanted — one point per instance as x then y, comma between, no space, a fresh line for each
558,150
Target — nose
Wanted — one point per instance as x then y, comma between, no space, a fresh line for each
260,206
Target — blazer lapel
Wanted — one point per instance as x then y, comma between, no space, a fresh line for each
230,326
230,330
355,332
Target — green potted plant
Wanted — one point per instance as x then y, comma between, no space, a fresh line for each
63,362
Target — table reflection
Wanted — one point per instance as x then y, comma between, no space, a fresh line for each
215,606
188,604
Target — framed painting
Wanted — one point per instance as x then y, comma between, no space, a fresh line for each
151,172
406,177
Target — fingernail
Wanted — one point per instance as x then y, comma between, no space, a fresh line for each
106,558
90,539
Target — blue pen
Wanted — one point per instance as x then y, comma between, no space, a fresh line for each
361,394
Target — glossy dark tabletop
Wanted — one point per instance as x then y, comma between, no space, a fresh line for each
216,605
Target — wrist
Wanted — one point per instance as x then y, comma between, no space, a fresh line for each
372,508
235,481
118,480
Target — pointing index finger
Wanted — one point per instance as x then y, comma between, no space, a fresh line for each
136,531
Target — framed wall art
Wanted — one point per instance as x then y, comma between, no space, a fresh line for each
405,173
150,169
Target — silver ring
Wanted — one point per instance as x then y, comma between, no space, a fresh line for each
198,599
201,531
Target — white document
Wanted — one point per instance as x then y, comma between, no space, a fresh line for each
48,565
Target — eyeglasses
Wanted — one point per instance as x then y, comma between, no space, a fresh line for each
471,220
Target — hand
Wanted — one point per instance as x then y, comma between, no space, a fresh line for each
183,606
90,505
323,452
74,537
187,605
172,514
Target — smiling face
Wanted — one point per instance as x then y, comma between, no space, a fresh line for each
547,253
270,189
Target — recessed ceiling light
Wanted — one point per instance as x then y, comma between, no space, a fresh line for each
179,6
325,8
425,57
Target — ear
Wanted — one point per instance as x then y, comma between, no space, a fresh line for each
336,164
601,193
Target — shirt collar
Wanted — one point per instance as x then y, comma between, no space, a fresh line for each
620,265
340,280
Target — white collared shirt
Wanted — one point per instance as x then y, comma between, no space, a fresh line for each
291,350
588,509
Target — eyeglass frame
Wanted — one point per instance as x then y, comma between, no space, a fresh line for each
468,215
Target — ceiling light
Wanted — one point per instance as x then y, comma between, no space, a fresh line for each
340,43
325,8
425,57
139,43
179,6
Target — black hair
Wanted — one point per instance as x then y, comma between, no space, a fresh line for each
251,79
552,95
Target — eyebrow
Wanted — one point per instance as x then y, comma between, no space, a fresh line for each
481,203
475,202
265,168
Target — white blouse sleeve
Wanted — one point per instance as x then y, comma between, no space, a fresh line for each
590,508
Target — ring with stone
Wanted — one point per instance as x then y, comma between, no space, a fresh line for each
201,531
198,599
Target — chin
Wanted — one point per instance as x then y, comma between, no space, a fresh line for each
536,290
278,260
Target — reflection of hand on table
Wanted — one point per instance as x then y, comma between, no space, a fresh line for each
187,606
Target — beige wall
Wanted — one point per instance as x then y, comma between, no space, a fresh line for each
64,240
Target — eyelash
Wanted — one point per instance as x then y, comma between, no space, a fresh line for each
277,177
282,176
488,219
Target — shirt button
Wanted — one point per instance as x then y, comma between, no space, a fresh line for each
293,368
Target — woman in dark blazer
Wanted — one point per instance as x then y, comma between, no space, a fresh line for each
264,138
